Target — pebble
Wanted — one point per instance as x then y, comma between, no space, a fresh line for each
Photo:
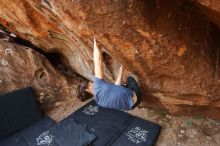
42,94
182,131
41,97
208,137
58,104
194,132
124,22
180,135
168,116
192,136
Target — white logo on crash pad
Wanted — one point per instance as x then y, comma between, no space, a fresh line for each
45,138
137,135
91,110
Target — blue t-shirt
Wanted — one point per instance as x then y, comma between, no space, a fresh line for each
112,96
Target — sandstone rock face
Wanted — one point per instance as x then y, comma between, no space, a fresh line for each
211,8
23,67
170,45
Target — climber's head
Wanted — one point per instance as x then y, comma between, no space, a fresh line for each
84,91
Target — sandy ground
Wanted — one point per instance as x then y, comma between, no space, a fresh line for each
176,131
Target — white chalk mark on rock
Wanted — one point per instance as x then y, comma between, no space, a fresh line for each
8,51
4,62
13,35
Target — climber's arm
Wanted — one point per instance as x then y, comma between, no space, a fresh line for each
97,58
118,81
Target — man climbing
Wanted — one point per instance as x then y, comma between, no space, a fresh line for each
110,95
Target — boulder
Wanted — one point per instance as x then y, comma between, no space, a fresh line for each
24,67
171,46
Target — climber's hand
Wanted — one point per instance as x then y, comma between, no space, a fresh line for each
96,52
95,45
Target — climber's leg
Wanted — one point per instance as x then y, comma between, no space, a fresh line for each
97,58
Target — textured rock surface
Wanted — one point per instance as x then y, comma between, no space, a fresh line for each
211,8
22,67
170,45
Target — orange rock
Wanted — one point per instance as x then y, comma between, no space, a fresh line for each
181,51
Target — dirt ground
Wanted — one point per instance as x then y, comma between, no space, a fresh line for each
176,130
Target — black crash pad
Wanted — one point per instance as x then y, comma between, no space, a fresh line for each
70,133
18,109
34,135
105,123
139,133
114,127
13,140
4,124
47,132
38,133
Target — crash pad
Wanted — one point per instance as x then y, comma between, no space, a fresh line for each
18,109
38,133
139,133
116,127
13,140
70,133
103,122
35,135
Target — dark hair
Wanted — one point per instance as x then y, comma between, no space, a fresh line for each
81,92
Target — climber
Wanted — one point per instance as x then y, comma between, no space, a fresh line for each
110,95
